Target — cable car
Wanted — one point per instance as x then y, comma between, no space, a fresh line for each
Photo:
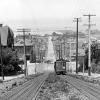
60,66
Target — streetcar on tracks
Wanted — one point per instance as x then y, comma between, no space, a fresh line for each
60,66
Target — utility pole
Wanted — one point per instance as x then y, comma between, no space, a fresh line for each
1,55
70,54
64,48
39,53
23,30
61,43
89,42
59,48
59,51
77,21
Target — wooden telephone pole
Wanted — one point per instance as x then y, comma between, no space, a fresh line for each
89,42
77,21
23,30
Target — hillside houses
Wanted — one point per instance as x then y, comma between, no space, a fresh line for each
67,41
32,42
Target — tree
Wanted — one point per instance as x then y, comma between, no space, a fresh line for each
97,56
54,33
94,50
9,60
95,53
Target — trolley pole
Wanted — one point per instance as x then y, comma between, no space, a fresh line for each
89,43
77,21
25,61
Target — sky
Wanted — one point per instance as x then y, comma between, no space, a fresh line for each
48,14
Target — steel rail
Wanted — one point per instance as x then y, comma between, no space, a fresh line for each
27,91
92,91
19,88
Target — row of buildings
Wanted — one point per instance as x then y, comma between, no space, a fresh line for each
65,43
32,42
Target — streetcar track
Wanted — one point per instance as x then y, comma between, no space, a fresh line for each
35,89
32,90
25,91
38,90
17,89
92,88
85,89
93,92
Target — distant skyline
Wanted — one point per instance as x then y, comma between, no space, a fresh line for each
48,14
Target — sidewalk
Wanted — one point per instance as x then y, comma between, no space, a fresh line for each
6,78
94,76
32,68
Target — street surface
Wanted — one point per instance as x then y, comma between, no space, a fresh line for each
50,53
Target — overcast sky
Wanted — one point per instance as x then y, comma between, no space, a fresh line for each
47,13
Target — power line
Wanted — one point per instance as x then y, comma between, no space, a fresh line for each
24,30
89,45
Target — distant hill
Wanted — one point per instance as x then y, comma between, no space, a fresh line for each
70,33
95,34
